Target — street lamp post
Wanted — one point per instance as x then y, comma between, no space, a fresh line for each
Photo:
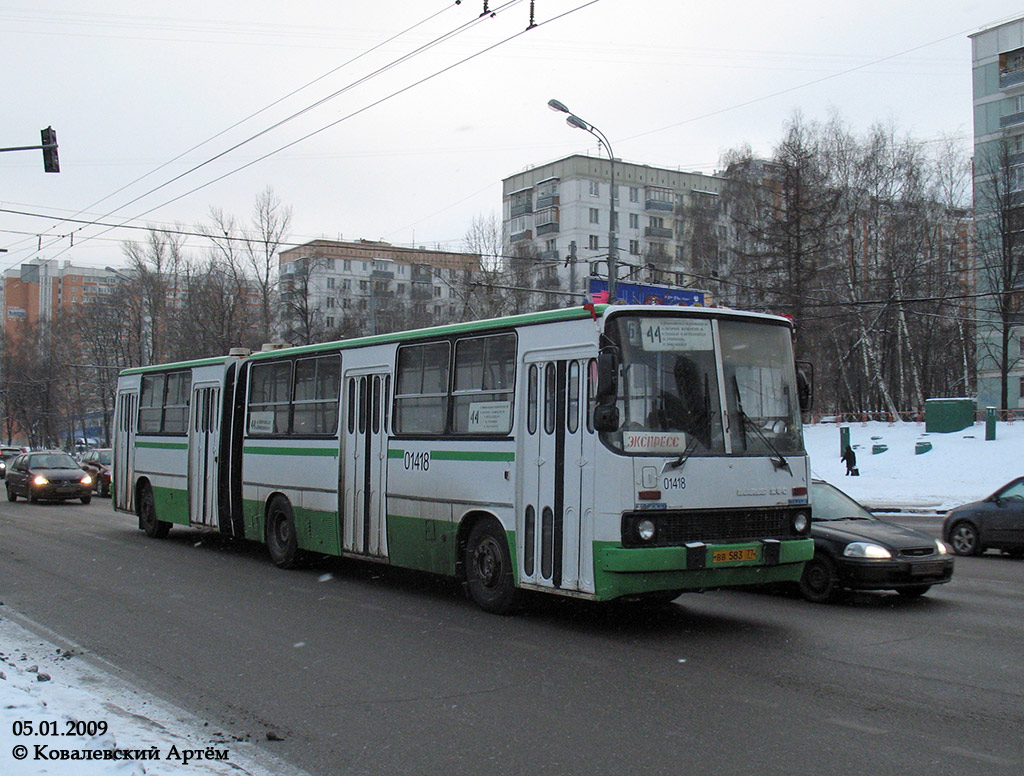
577,123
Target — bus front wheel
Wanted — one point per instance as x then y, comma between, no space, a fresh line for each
489,575
148,522
282,542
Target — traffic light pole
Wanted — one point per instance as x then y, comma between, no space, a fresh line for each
51,163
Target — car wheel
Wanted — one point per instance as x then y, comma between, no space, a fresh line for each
148,522
86,499
282,541
913,591
964,539
819,583
488,563
11,495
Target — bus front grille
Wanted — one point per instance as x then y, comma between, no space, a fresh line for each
676,528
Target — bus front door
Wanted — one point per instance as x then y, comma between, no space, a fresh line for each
203,452
363,463
553,522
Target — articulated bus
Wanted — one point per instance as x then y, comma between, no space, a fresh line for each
598,452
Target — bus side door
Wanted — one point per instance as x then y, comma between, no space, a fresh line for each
203,451
553,522
124,450
363,462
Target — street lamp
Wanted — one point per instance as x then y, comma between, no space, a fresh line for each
576,122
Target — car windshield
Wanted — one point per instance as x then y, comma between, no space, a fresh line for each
830,503
52,461
104,457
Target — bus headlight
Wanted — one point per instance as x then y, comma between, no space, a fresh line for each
645,529
801,523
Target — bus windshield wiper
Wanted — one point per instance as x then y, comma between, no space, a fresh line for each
778,461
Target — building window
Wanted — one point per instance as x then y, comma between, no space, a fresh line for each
330,301
330,282
593,245
595,189
550,246
346,265
634,194
595,217
634,221
634,247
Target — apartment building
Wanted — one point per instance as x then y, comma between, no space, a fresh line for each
998,96
370,287
661,220
41,289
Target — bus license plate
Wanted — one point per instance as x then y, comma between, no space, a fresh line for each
734,556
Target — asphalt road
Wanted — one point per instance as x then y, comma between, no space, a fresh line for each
362,669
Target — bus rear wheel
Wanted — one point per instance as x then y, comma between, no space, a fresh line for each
490,581
148,522
282,541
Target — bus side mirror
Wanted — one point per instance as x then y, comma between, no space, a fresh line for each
606,417
805,384
607,382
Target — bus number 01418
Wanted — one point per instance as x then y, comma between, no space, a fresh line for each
417,461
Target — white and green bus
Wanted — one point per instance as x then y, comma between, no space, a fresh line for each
598,452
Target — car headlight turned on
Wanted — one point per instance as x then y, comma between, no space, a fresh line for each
40,480
865,550
87,480
801,523
941,548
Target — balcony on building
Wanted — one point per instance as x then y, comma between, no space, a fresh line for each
1011,68
551,255
520,236
658,232
659,200
1013,120
521,202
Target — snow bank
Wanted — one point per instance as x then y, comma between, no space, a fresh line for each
960,467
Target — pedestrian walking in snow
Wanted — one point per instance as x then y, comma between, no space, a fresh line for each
850,459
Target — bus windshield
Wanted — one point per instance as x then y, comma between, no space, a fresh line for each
670,392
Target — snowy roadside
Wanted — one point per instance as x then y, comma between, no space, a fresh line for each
63,715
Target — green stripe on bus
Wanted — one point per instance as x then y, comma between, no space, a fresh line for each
163,445
322,452
458,455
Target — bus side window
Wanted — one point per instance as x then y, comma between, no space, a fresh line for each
531,401
421,389
572,414
549,399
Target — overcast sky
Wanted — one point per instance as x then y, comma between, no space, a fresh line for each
141,93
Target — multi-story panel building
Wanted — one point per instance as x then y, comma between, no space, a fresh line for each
660,220
998,69
372,287
41,289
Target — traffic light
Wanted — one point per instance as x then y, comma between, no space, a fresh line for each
50,161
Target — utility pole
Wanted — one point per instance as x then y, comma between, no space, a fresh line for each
51,163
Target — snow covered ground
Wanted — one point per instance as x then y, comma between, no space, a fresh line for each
77,710
54,689
960,467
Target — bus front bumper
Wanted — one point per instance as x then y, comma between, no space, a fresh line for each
621,571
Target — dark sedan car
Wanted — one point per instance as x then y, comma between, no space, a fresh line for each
854,550
97,464
994,523
47,476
